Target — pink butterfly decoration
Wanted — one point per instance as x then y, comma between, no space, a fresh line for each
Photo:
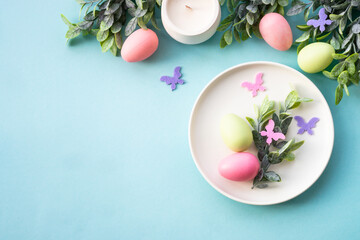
255,87
271,134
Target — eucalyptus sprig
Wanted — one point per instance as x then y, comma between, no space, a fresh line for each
108,20
244,18
343,34
277,151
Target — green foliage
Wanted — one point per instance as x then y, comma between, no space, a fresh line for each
343,34
244,17
280,150
108,20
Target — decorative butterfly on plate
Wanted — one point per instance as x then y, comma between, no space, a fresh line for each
255,87
304,126
270,134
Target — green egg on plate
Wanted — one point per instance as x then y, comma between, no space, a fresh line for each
235,132
315,57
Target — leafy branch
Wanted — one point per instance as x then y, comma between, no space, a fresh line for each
107,20
343,34
280,150
244,18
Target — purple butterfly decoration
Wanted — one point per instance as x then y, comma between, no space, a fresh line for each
322,21
306,126
255,87
173,81
271,135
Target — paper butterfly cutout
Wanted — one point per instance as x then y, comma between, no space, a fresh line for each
322,21
173,80
255,87
306,126
271,134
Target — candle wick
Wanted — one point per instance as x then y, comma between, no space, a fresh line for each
188,7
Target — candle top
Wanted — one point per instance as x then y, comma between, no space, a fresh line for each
192,16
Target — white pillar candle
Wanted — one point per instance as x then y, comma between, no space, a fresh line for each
190,21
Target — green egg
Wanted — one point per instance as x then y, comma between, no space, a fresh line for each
235,132
315,57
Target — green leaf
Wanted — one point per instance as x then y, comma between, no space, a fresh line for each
322,37
338,68
296,146
251,122
130,4
102,35
223,43
259,141
285,125
303,27
338,56
141,23
85,25
154,23
343,77
250,18
306,13
338,94
297,7
266,106
114,49
289,157
353,58
107,22
291,99
228,37
112,8
267,115
147,17
272,176
286,147
229,6
106,45
328,75
284,115
66,21
283,3
139,13
301,46
118,40
237,36
346,90
305,36
130,27
116,27
351,68
304,100
73,32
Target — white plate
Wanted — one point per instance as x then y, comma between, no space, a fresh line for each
224,95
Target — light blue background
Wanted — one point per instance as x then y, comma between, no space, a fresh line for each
92,147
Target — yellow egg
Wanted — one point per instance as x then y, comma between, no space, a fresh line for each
235,132
315,57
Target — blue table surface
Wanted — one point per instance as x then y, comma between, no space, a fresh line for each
92,147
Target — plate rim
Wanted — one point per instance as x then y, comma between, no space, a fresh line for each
192,116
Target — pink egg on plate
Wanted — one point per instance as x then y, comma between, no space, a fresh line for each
140,45
276,31
241,166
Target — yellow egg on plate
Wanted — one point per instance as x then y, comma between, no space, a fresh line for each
235,132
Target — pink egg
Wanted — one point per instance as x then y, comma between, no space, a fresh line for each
276,31
140,45
241,166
